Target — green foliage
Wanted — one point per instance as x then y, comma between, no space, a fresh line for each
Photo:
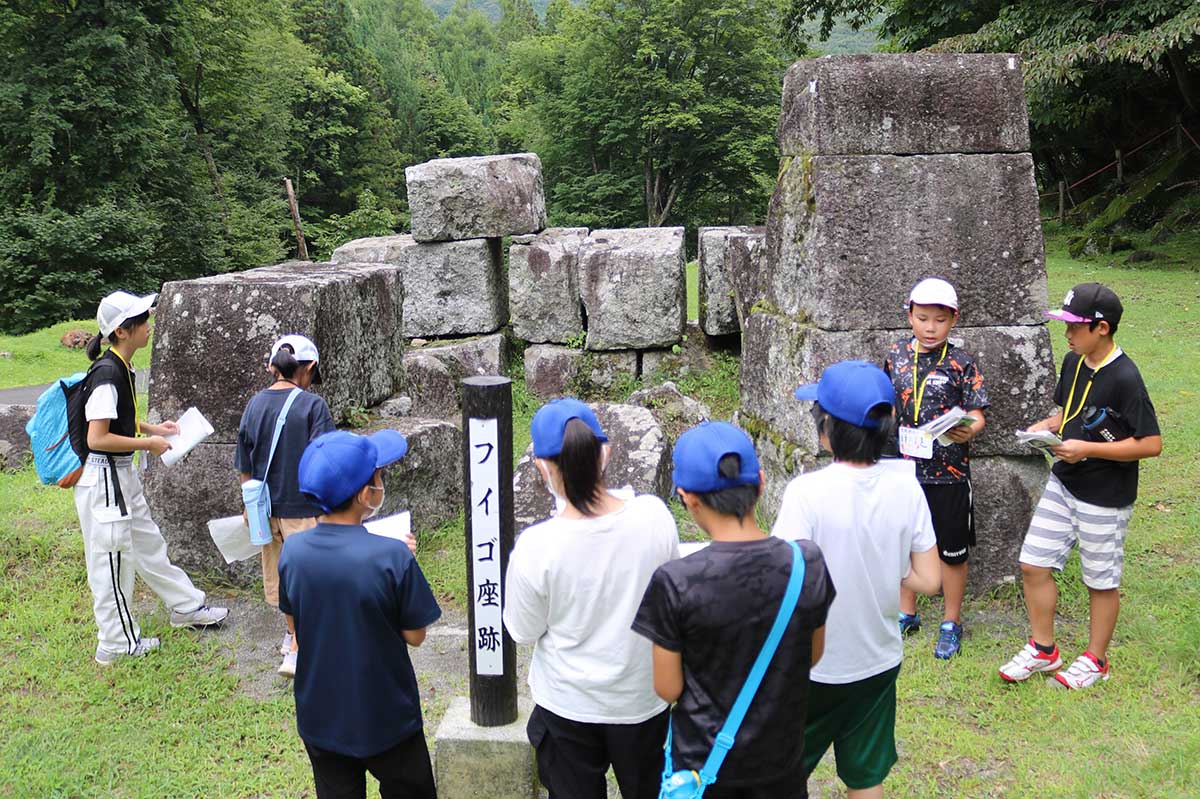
368,219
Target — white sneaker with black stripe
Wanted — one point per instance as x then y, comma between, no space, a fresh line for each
141,649
203,616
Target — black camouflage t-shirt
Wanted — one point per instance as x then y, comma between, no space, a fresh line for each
953,380
716,607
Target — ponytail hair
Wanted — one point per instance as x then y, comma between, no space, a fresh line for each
579,465
284,362
93,347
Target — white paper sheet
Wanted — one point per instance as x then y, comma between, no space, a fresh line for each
193,428
232,537
1042,440
398,526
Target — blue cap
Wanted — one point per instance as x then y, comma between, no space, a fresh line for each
698,453
850,390
335,466
550,423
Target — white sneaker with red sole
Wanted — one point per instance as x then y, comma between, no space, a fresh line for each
1085,672
1028,662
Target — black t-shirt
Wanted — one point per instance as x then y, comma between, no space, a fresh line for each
1118,386
716,607
308,418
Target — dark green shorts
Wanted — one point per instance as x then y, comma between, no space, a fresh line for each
859,720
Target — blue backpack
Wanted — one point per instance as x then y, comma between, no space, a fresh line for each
50,432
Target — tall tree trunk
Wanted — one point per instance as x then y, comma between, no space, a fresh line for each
1182,79
190,98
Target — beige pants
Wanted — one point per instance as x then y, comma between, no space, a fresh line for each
280,529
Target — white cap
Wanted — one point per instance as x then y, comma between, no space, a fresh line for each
934,291
119,306
302,347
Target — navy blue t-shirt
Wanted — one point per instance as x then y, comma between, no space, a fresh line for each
351,595
308,418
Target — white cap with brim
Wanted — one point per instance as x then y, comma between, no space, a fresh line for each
934,291
119,306
302,347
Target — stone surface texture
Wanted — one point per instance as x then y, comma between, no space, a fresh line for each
478,197
428,480
213,335
904,104
849,236
14,443
473,761
672,409
1005,492
746,274
434,374
695,354
552,370
543,285
483,355
641,458
718,312
632,284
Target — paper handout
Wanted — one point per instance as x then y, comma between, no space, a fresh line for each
398,526
232,537
193,428
1042,440
937,428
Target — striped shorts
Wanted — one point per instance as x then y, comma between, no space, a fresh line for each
1061,520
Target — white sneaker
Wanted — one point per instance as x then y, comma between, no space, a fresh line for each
143,647
1028,662
1083,673
285,645
288,667
203,616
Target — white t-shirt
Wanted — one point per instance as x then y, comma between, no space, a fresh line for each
867,523
573,588
102,404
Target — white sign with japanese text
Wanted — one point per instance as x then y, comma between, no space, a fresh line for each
483,439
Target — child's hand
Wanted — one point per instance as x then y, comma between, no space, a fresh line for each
410,541
961,435
158,445
1038,427
1072,450
168,429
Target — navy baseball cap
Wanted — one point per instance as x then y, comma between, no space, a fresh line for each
850,390
335,466
698,453
1089,302
550,423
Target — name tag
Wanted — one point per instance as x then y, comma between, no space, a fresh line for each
915,443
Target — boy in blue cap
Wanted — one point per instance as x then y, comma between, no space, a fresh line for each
709,614
872,522
358,602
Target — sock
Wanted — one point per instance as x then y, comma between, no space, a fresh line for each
1045,650
1100,661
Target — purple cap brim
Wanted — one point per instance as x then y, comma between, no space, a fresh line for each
1066,316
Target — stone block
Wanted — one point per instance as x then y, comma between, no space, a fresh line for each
14,443
543,285
478,197
781,354
641,458
746,275
431,386
718,313
374,250
1006,491
672,409
632,284
848,236
184,497
904,104
482,355
473,761
213,334
428,480
693,354
555,371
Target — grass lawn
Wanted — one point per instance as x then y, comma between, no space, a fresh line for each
39,358
177,725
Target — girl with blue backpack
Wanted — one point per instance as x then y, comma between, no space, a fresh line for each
276,426
119,535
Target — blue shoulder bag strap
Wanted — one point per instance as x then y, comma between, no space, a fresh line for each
279,423
725,738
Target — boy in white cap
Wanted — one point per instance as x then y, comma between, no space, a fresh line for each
119,535
931,376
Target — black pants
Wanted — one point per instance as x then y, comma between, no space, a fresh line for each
404,772
573,756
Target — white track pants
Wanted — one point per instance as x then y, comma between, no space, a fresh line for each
114,550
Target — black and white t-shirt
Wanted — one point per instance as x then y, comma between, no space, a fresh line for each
716,607
1118,386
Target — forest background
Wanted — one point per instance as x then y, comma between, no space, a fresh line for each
147,140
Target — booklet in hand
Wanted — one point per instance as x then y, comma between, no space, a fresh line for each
937,428
1042,440
193,428
398,526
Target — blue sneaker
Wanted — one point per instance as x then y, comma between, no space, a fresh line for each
909,623
949,641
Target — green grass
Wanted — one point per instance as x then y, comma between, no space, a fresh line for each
39,358
177,724
693,290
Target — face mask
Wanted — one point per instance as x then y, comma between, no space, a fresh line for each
375,508
560,501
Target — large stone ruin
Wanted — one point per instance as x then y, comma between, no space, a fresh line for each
894,168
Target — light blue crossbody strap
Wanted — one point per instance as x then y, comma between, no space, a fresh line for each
279,423
725,738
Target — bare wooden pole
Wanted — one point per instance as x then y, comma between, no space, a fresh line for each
295,209
1062,201
1120,169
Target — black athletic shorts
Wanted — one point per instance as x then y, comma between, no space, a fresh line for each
953,519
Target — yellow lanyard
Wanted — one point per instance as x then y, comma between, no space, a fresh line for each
1067,415
920,389
137,425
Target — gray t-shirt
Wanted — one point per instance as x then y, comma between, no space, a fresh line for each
308,418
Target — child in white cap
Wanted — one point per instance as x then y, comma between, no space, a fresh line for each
931,376
119,536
